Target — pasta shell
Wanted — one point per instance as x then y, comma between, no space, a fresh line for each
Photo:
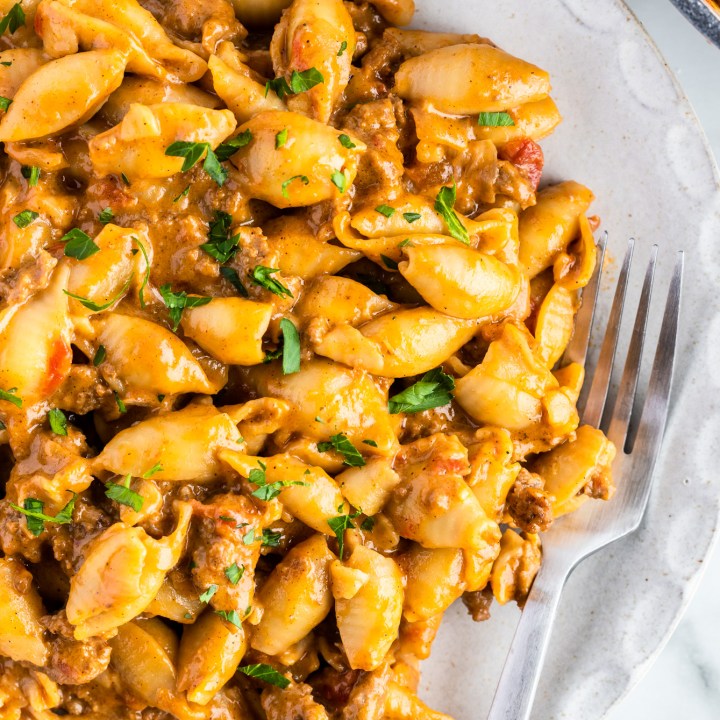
21,634
369,621
137,145
398,344
62,93
368,487
460,281
171,369
35,353
296,597
183,443
210,651
469,79
312,153
122,572
315,34
230,329
23,63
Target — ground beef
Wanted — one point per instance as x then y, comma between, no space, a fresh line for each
528,504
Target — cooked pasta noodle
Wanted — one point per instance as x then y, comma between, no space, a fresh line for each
281,311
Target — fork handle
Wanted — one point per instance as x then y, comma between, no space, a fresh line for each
519,680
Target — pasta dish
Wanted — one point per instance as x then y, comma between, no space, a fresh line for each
282,312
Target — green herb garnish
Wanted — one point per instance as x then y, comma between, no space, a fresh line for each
433,390
340,443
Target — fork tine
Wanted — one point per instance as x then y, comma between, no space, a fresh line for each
657,402
592,414
617,432
576,351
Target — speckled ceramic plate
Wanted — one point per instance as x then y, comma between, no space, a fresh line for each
630,134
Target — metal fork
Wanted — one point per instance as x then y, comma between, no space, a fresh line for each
574,537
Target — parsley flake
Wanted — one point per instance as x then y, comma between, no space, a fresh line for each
299,82
412,217
433,390
24,218
385,210
340,443
231,275
13,20
291,347
156,468
226,150
177,302
266,673
5,103
444,203
220,245
345,141
11,397
260,275
265,490
95,307
205,597
339,180
106,216
31,173
231,616
271,538
495,119
389,262
183,194
339,525
284,189
371,443
120,402
343,48
281,138
122,493
36,518
58,421
79,244
192,152
100,355
234,573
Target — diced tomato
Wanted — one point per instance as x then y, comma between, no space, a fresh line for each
527,155
58,366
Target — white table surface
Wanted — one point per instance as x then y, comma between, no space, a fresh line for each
684,682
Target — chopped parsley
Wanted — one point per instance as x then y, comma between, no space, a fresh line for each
389,262
231,616
271,538
100,355
385,210
340,443
299,82
304,178
90,305
36,518
345,141
231,275
405,243
339,525
125,178
433,390
106,216
281,138
371,443
183,194
11,397
122,493
119,402
368,524
249,537
412,217
265,490
31,173
266,673
5,103
234,573
146,274
205,597
177,302
495,119
260,275
58,421
226,150
24,218
343,48
156,468
291,347
220,245
78,244
192,152
13,20
339,181
444,203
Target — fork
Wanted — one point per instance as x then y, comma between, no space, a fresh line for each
597,524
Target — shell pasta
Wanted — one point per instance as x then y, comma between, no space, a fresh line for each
282,310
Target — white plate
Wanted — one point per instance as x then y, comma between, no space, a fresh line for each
629,134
